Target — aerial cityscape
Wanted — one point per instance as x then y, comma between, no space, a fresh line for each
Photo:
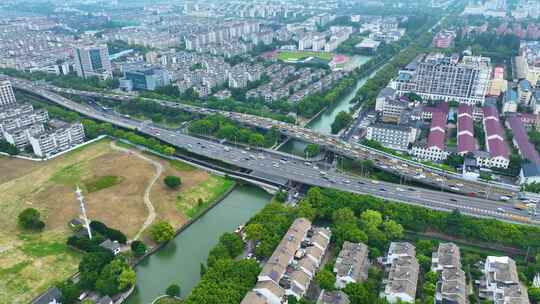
270,152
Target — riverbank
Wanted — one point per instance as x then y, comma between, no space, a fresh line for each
179,260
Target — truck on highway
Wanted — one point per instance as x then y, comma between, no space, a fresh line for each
523,206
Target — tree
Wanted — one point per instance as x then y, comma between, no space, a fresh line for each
358,293
326,279
161,232
70,292
8,148
281,196
392,229
173,290
254,231
173,182
115,277
343,215
305,209
138,248
233,243
256,139
343,119
534,294
371,219
29,218
312,150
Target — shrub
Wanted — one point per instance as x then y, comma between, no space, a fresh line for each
172,182
138,248
161,232
29,218
173,290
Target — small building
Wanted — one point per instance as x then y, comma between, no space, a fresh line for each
524,92
510,101
51,296
333,297
76,224
352,264
530,173
501,281
402,273
112,246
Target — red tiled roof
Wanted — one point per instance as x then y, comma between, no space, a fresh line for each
465,138
526,149
436,135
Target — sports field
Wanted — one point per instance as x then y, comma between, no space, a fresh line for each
114,182
300,55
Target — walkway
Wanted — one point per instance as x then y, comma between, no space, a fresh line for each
147,201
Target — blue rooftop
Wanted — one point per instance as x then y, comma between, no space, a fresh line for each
525,85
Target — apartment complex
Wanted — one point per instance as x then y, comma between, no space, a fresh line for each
444,39
439,77
92,61
452,284
435,147
402,271
465,134
500,282
498,153
47,143
394,136
292,266
7,96
351,264
146,79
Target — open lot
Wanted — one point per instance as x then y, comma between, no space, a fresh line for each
114,183
298,55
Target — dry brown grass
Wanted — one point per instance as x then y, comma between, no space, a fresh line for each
30,263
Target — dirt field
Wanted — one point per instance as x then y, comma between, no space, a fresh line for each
31,262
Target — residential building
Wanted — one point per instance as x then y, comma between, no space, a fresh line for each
520,139
535,101
51,296
351,264
524,92
385,95
497,148
46,143
498,84
465,133
447,256
393,136
7,97
435,148
292,266
112,246
402,270
510,101
440,77
333,297
451,287
19,137
444,39
92,61
500,282
529,173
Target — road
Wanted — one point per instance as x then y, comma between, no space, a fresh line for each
298,170
407,168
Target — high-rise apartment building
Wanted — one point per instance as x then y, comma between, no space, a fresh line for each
440,77
92,61
6,93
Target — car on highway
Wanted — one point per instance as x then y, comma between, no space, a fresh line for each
382,190
500,209
504,198
453,200
375,181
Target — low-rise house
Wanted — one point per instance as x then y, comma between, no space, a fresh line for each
112,246
435,148
333,297
465,133
520,139
500,282
397,137
529,173
292,266
499,153
51,296
352,264
402,273
447,256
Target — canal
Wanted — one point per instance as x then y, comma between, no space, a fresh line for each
323,122
179,261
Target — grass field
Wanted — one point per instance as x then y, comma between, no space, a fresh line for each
113,182
297,55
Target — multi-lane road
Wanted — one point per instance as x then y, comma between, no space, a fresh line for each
299,170
408,169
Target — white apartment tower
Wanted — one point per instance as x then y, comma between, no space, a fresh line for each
7,97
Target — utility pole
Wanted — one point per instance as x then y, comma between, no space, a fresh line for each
80,198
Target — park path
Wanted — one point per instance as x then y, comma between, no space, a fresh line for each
159,170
